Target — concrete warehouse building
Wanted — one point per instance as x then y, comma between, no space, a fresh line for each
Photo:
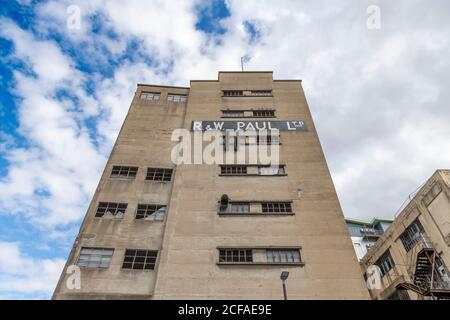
156,230
413,255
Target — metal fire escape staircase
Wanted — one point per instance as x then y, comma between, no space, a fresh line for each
429,277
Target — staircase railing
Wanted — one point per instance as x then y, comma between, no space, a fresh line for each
422,241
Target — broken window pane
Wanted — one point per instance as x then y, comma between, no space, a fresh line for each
111,209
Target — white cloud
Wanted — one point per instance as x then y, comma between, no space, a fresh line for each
21,275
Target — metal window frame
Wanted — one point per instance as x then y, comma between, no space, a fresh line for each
103,207
149,207
159,174
148,261
119,171
100,260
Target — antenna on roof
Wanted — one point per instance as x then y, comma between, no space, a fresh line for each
242,64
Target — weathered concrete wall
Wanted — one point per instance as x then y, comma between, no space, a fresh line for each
194,230
188,240
144,141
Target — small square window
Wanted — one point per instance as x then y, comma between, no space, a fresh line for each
139,259
159,174
124,172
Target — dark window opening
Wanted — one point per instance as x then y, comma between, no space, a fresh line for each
264,113
124,172
412,235
139,259
233,170
385,263
276,207
116,210
233,93
151,212
159,174
235,255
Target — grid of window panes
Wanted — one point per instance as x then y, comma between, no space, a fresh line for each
177,97
150,96
239,207
271,171
283,256
267,139
411,235
235,255
151,212
233,93
139,259
232,114
111,208
263,113
159,174
385,263
124,172
261,93
277,207
95,257
233,170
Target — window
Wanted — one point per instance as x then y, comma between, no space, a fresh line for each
233,170
159,174
261,139
411,235
235,255
150,96
95,257
124,172
261,93
152,212
267,139
277,207
385,262
271,171
240,207
251,170
139,259
233,93
283,256
241,93
116,210
232,114
264,113
177,97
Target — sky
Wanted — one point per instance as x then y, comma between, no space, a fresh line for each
376,75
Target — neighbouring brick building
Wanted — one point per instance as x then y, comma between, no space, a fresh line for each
413,254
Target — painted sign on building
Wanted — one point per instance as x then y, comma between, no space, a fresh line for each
289,125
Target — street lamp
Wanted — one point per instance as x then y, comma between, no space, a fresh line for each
284,275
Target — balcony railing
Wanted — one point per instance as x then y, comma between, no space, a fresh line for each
371,232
